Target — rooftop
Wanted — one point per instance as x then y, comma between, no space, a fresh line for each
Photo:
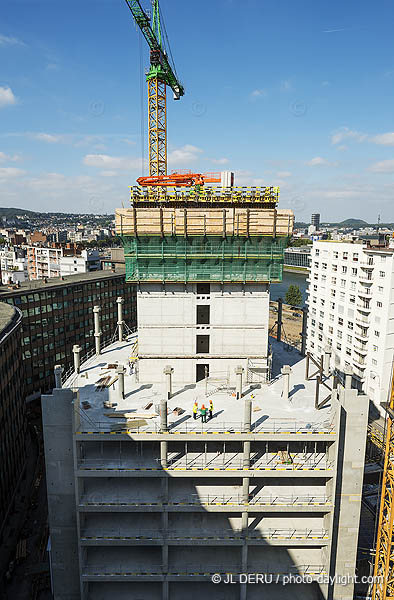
138,411
55,282
7,313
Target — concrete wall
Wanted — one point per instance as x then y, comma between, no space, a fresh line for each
58,419
167,328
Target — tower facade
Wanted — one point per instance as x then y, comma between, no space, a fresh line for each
203,261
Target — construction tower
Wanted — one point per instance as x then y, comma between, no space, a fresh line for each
203,260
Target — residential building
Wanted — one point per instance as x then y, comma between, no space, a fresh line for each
351,309
85,261
12,409
298,257
58,313
315,220
13,265
44,261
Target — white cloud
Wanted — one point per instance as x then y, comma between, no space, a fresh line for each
220,161
344,133
261,93
129,142
283,174
384,139
5,40
186,154
384,166
106,162
108,173
7,97
5,157
317,161
325,84
6,172
49,138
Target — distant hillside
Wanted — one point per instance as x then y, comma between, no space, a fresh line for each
353,223
15,212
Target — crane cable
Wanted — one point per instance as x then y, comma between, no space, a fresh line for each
142,95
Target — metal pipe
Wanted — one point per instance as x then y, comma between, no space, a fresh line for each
279,320
327,359
97,332
120,302
163,454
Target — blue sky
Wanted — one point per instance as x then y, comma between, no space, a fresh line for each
295,94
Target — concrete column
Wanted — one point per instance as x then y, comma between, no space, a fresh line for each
348,378
286,370
120,302
279,320
238,372
58,370
77,358
163,454
304,329
247,413
120,371
327,359
163,415
97,332
168,371
245,499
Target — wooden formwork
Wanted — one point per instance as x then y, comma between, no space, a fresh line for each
215,221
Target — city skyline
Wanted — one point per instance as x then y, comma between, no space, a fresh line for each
306,106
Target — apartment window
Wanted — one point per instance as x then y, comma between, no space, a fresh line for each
320,337
339,335
377,333
319,349
352,285
382,258
333,293
349,351
313,311
349,339
335,254
331,318
324,266
352,299
335,268
332,305
312,333
345,255
374,362
203,314
315,288
317,252
321,326
344,269
316,277
202,344
333,280
203,289
316,265
375,348
312,344
321,313
343,282
380,289
339,346
323,278
350,325
331,330
354,271
379,304
355,256
322,301
382,273
313,322
314,299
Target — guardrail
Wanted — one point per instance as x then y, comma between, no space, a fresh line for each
97,499
196,569
219,534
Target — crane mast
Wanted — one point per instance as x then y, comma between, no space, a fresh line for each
159,76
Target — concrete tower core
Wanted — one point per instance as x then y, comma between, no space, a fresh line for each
203,262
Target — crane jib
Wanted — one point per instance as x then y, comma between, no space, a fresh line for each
143,22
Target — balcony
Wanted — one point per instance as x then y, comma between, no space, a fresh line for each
363,307
360,348
364,292
361,335
365,277
359,360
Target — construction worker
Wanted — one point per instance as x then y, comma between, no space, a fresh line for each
210,409
203,412
195,410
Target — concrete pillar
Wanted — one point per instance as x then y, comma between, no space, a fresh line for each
97,332
245,499
279,320
348,378
303,331
327,359
163,415
58,370
120,302
168,371
247,413
286,370
238,372
77,358
163,454
120,371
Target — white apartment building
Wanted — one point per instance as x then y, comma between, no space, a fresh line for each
13,265
87,261
43,261
351,308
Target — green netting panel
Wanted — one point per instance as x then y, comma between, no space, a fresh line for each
204,259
